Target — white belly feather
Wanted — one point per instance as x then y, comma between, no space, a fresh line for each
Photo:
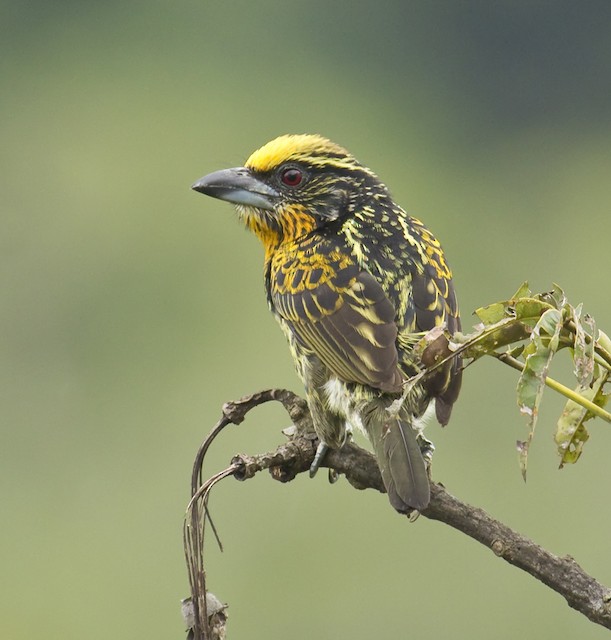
339,400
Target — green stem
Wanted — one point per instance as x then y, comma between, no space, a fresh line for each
601,361
560,388
603,346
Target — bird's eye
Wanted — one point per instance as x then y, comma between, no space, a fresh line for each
291,177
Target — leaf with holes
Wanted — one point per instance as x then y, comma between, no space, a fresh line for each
571,433
583,346
544,343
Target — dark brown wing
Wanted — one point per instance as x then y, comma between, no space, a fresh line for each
435,303
348,322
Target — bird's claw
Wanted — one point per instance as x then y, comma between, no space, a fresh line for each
321,450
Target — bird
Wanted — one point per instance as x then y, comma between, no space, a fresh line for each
354,282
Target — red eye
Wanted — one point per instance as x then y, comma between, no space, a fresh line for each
291,177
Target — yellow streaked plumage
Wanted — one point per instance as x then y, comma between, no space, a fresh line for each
353,281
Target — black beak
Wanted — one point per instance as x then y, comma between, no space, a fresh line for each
239,186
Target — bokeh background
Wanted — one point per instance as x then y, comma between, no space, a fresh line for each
132,308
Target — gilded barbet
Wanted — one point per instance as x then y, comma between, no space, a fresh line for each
354,282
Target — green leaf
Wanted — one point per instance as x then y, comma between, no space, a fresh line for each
521,305
522,292
571,433
516,352
534,327
485,340
530,309
522,447
603,343
529,349
492,314
544,343
583,346
549,326
559,296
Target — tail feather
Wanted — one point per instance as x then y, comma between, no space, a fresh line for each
401,463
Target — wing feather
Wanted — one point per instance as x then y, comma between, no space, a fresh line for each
349,323
434,301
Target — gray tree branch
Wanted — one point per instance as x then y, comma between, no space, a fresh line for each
562,574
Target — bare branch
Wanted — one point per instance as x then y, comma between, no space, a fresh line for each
562,574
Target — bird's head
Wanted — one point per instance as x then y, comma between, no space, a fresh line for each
292,186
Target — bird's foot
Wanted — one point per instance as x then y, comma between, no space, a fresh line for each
427,448
321,450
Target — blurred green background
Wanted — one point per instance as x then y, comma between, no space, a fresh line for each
132,308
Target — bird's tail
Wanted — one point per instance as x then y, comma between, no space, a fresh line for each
400,460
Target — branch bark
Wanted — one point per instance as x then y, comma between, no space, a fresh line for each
562,574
